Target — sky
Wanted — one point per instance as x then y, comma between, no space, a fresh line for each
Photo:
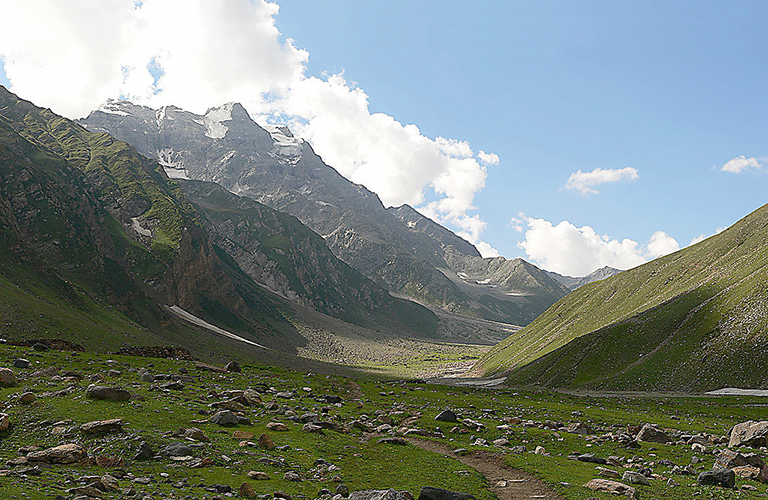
574,134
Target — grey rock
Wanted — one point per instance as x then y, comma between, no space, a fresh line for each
7,377
749,433
652,434
376,495
721,477
144,452
21,363
63,454
430,493
224,418
633,477
447,416
177,449
101,392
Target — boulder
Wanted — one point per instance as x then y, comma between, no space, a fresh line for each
589,457
729,459
7,377
580,428
5,422
389,494
652,434
224,418
277,427
21,363
144,452
63,454
721,477
27,398
633,477
232,366
196,434
177,449
252,396
447,416
243,435
266,442
747,471
332,399
749,433
104,393
613,487
430,493
102,426
258,475
246,491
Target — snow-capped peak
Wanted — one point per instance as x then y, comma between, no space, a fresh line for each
113,107
285,142
214,120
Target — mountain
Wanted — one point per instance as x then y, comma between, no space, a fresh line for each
96,241
694,320
397,248
572,283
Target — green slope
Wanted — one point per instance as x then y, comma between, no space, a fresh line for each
696,319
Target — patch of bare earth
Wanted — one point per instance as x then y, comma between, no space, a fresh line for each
505,482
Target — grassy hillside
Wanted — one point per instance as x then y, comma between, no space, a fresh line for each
693,320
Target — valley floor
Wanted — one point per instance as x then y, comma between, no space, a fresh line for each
212,433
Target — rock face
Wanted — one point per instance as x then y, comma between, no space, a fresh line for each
750,433
64,454
397,247
722,477
653,434
728,459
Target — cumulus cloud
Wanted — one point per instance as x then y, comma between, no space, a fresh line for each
577,251
585,182
742,163
703,236
72,56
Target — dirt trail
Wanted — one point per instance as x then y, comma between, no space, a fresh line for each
504,481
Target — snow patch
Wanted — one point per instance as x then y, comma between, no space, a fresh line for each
172,164
462,275
202,323
214,120
324,203
136,225
411,224
285,143
483,282
113,107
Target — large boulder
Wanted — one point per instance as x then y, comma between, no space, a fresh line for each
729,459
749,433
652,434
447,416
430,493
102,426
224,417
613,487
5,422
7,377
105,393
177,449
63,454
721,477
389,494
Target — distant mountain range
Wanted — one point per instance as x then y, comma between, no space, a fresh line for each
573,283
397,248
694,320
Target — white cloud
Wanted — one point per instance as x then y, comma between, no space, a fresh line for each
577,251
585,182
742,163
703,236
488,158
72,56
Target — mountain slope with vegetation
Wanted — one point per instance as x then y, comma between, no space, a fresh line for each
693,320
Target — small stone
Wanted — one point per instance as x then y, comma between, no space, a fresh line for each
27,398
21,363
266,442
197,435
102,426
258,475
243,435
342,490
292,476
7,377
246,491
277,427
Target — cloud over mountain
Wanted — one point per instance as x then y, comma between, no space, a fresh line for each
195,54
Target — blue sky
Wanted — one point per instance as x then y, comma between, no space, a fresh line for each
673,90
